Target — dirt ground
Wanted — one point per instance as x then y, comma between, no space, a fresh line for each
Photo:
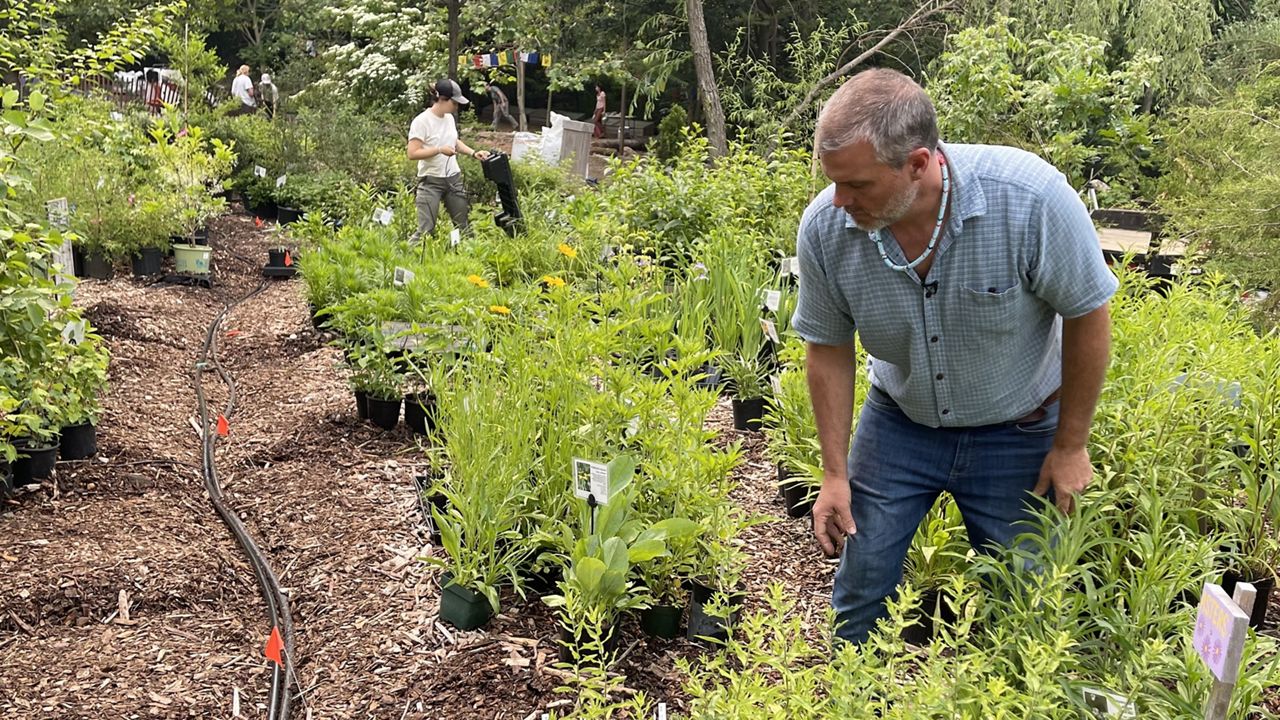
123,596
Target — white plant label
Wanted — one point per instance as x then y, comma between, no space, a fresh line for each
770,330
790,266
383,216
1108,704
776,382
662,711
606,252
455,238
259,171
116,116
402,277
101,181
772,299
73,332
591,479
280,181
633,427
59,213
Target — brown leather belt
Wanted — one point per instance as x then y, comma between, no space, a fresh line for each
1039,413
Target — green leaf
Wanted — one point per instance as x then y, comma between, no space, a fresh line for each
646,550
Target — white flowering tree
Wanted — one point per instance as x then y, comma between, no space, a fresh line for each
392,54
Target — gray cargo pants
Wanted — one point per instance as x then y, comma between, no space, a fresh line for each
427,200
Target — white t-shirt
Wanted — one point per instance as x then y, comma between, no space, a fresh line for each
241,87
434,130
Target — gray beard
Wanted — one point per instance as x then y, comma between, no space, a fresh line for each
895,211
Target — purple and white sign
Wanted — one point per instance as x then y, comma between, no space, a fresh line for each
1220,633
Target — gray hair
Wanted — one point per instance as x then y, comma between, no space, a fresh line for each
882,107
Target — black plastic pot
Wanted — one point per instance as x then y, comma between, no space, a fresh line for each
921,631
462,608
362,405
6,478
662,621
384,413
711,379
705,627
543,581
200,236
420,412
34,463
748,414
574,644
263,210
796,493
275,257
147,262
440,503
1264,586
97,266
287,215
79,442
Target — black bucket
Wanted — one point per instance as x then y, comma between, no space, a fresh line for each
79,442
147,262
384,413
34,464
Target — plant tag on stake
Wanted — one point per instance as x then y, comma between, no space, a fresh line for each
772,299
115,115
402,277
606,252
59,213
1108,704
73,332
455,238
770,330
280,181
776,382
591,479
259,171
383,216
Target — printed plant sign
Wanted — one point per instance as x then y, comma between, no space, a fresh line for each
591,479
1220,633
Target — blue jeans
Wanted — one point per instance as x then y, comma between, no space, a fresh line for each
897,470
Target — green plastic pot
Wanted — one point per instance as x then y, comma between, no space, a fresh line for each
192,259
461,607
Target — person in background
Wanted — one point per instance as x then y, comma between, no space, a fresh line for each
501,108
154,97
434,143
269,95
598,117
242,90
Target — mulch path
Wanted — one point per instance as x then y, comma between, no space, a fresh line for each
123,595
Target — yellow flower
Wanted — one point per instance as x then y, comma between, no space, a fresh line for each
552,281
567,250
478,281
499,309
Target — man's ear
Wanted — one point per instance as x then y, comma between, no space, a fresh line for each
918,161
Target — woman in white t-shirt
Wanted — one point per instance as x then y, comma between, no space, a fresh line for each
242,90
434,143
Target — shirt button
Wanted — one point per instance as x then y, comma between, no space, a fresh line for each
946,412
939,376
933,339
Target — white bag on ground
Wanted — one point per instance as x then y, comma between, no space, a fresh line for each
551,137
524,143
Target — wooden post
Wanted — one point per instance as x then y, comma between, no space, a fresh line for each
622,122
1231,625
524,125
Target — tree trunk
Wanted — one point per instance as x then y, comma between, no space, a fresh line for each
455,37
622,119
706,78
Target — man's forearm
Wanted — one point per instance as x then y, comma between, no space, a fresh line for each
830,373
1086,347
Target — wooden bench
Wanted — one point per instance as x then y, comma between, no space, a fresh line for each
1138,233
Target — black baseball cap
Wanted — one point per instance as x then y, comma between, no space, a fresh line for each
449,89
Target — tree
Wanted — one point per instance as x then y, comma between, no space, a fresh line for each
712,111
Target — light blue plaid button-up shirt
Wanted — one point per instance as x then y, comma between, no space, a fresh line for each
981,341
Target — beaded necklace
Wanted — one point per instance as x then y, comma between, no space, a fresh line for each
937,226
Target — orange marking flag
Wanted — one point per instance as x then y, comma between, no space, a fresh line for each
288,259
224,429
274,646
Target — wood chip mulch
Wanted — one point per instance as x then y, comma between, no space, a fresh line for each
122,595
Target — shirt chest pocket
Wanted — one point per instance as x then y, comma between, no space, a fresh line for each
994,308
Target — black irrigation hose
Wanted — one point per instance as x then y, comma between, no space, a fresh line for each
277,603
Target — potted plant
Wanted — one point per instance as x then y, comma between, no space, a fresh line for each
1256,550
747,376
666,576
376,375
937,554
793,442
33,424
84,379
716,592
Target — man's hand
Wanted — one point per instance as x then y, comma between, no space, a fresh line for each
832,521
1067,471
446,150
481,155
